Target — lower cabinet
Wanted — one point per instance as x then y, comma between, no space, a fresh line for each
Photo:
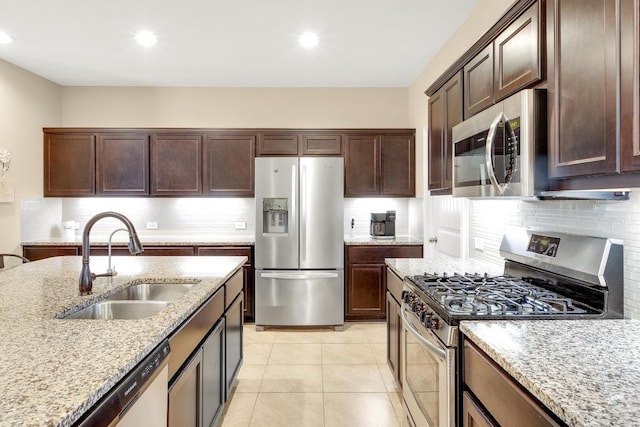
197,395
492,394
394,325
366,283
234,350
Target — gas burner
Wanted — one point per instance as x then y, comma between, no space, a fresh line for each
482,295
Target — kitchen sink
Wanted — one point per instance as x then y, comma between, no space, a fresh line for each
152,292
110,310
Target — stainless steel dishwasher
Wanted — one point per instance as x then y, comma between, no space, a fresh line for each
139,399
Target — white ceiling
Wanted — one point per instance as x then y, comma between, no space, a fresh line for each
237,43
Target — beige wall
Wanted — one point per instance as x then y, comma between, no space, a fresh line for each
483,17
27,104
235,107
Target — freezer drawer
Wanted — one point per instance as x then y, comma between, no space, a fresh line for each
299,298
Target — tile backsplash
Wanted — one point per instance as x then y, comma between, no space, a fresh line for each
614,219
42,218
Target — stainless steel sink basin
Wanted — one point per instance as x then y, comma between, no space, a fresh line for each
110,310
152,292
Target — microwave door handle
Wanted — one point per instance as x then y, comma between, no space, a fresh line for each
491,137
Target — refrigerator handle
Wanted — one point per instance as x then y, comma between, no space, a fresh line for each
294,195
305,275
303,213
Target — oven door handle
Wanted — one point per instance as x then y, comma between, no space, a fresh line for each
491,137
434,349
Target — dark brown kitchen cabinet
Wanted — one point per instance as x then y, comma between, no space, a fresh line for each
122,164
478,82
228,165
630,86
582,79
380,165
248,285
277,144
176,165
445,111
34,253
472,414
511,62
321,145
500,397
366,284
394,325
296,143
69,164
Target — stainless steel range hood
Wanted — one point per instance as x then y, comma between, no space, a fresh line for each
584,195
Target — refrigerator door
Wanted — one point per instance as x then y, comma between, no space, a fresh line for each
321,212
276,212
299,298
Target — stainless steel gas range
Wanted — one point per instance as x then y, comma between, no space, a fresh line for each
547,275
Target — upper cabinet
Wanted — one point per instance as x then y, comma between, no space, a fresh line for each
122,164
228,168
593,94
380,164
176,162
445,111
63,150
512,61
294,143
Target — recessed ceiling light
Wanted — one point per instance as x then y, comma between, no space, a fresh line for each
308,39
5,38
146,38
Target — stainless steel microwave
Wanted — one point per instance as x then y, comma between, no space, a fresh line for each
502,151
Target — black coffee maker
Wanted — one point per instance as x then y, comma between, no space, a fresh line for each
383,225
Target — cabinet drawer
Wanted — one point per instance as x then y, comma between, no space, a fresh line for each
226,251
187,338
377,254
505,399
233,287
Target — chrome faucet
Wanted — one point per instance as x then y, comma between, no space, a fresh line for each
111,271
135,247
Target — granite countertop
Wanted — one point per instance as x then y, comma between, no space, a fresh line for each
367,240
439,264
585,371
53,370
121,239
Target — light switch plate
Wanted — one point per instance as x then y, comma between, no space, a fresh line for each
241,225
152,225
478,243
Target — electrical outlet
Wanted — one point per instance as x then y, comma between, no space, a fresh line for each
241,225
478,243
152,225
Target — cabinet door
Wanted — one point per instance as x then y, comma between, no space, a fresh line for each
185,395
366,292
397,165
277,144
445,111
361,165
228,165
213,384
478,82
233,333
581,87
321,145
69,164
472,414
176,165
394,330
122,165
518,54
630,86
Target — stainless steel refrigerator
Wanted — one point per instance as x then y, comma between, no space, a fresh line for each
299,253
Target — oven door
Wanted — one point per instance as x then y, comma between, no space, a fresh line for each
429,376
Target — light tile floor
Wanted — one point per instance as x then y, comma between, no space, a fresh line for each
315,377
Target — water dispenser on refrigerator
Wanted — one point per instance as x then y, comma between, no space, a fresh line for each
275,213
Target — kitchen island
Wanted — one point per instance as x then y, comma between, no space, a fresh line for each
53,370
585,371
